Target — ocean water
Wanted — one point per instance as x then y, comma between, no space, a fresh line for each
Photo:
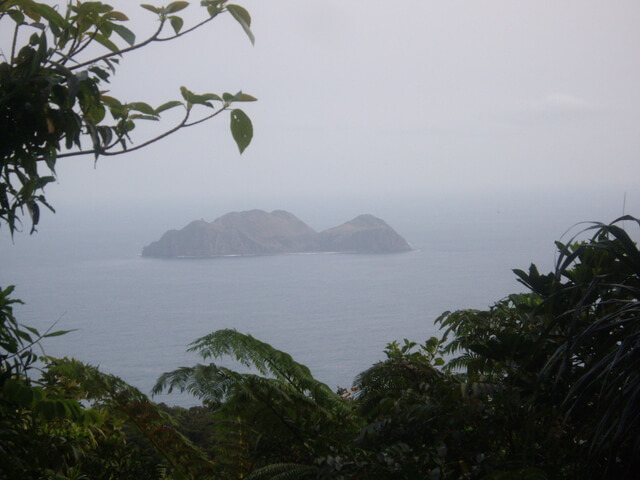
134,316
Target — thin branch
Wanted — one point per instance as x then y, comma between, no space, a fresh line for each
182,124
153,38
184,32
208,117
123,51
37,341
72,52
13,43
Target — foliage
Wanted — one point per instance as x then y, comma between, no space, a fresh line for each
44,434
414,415
195,423
53,100
280,414
126,404
601,353
541,385
565,356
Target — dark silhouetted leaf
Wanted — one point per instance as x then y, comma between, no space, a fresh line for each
241,129
176,23
174,7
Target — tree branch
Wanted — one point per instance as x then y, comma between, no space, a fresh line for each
73,52
123,51
184,32
153,38
182,124
13,42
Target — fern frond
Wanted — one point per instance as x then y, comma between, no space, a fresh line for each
267,360
155,425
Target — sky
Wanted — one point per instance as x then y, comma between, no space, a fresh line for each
383,99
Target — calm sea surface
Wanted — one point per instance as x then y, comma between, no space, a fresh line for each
134,317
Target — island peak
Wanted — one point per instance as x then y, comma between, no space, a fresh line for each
256,232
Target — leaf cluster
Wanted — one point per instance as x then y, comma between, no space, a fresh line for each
281,413
53,100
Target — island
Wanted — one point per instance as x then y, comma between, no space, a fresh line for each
257,232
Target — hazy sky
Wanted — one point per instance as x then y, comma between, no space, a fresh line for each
382,98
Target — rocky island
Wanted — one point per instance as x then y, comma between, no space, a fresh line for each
257,232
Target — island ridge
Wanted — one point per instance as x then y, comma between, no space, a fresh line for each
257,232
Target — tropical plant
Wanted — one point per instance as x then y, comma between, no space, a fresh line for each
541,385
281,414
24,404
600,357
124,404
562,359
53,100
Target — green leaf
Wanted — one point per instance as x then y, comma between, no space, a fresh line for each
50,14
174,7
32,13
110,101
33,330
187,94
23,335
168,105
243,18
117,16
142,108
243,97
100,73
210,96
176,23
126,34
43,181
151,8
104,41
195,99
241,129
57,333
17,16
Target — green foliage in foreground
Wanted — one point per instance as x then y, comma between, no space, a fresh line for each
542,385
55,66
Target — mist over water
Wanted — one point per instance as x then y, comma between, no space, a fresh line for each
334,313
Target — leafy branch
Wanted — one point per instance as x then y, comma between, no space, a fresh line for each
48,108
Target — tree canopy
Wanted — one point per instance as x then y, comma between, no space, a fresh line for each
53,95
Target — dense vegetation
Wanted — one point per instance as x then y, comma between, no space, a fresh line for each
542,385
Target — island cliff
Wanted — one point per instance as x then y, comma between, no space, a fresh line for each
260,233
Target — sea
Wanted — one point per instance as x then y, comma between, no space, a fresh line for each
134,317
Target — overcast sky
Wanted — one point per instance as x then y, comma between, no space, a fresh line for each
384,98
